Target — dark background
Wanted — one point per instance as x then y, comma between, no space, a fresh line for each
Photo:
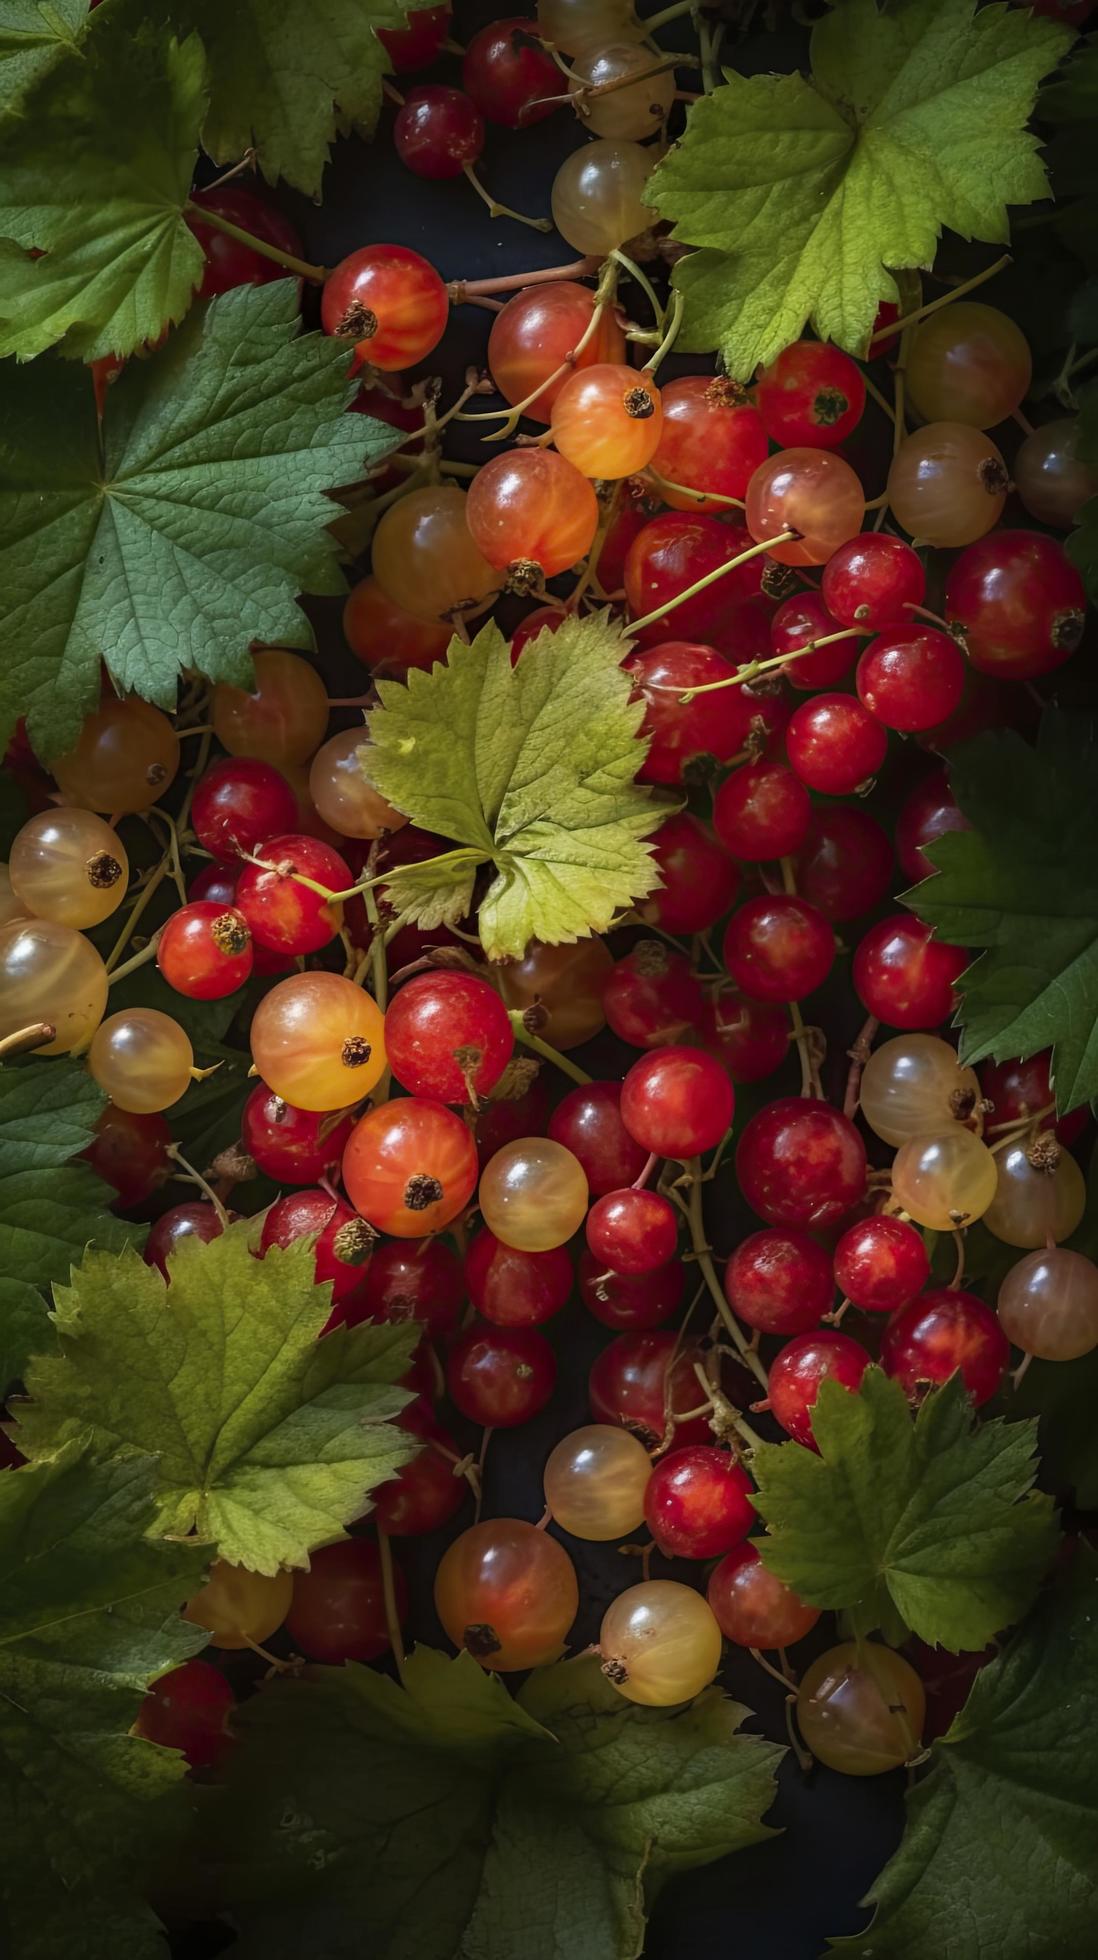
782,1899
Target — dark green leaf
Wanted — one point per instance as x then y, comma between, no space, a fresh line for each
446,1821
999,1860
1022,883
932,1520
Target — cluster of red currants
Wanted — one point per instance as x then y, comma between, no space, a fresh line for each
803,641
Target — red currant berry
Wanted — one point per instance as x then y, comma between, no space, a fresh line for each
697,1503
516,1289
500,1376
344,1241
438,132
779,1282
778,948
422,1281
1020,603
912,678
799,622
130,1153
762,811
845,868
205,950
930,812
939,1333
425,1493
639,1300
835,744
389,302
686,739
871,581
651,997
187,1709
699,880
416,44
881,1264
448,1035
293,1146
632,1232
904,976
509,74
410,1167
229,262
673,552
798,1373
238,804
544,619
752,1607
712,443
281,912
677,1102
587,1121
811,396
801,1162
338,1609
750,1038
1019,1090
642,1380
194,1221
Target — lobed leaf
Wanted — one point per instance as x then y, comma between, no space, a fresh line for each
529,768
268,1440
803,193
929,1524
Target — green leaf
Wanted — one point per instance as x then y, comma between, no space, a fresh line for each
802,193
89,1614
1022,883
34,36
194,531
50,1209
446,1821
95,175
1000,1854
268,1439
277,73
530,768
932,1520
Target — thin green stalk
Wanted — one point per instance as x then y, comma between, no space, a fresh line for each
207,216
696,1221
547,1053
699,585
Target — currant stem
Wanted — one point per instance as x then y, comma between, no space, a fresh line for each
388,1589
720,1405
460,290
935,305
699,585
139,905
705,497
497,210
669,14
547,1053
142,958
604,294
882,401
696,1221
35,1035
316,273
859,1056
643,282
195,1177
670,336
589,574
779,660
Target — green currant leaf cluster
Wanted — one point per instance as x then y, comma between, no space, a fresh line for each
89,1615
50,1207
186,526
928,1524
529,769
445,1818
802,193
1000,1853
1021,884
267,1439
